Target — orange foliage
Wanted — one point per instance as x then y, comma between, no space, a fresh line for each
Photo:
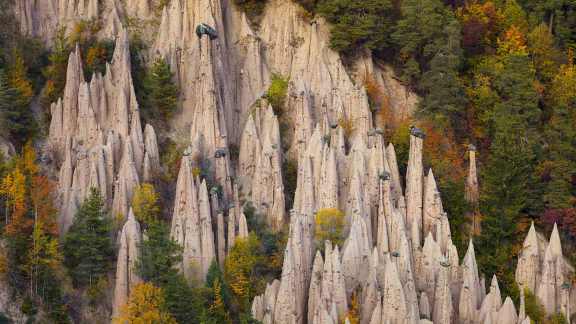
28,160
513,42
442,153
43,202
18,77
379,101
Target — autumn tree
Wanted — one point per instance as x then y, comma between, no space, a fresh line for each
329,226
55,72
146,304
240,269
145,204
88,250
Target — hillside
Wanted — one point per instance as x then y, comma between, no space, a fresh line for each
287,161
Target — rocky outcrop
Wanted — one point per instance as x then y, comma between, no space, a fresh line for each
260,166
414,194
327,288
96,132
543,270
292,297
43,19
192,223
128,255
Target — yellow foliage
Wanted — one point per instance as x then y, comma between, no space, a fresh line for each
145,204
18,77
146,305
563,89
13,187
330,226
353,314
347,125
239,266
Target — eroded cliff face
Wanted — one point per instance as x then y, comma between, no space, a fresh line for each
398,259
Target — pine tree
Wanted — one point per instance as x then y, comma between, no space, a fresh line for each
161,94
445,100
18,117
558,169
358,24
419,33
159,256
88,250
6,97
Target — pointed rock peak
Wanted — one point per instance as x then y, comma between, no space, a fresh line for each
318,261
507,314
494,284
554,246
531,240
470,251
431,176
131,217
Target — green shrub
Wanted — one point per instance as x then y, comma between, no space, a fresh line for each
329,226
252,8
276,94
533,307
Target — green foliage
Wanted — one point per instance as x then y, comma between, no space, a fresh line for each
160,97
16,93
289,177
445,99
534,309
358,24
55,72
88,251
329,226
97,54
506,194
276,94
252,8
455,205
420,33
159,255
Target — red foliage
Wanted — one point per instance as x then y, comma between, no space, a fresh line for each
564,218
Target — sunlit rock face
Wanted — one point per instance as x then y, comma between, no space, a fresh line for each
96,133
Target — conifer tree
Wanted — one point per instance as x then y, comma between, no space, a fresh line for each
161,94
17,88
88,250
419,33
358,24
159,255
445,100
